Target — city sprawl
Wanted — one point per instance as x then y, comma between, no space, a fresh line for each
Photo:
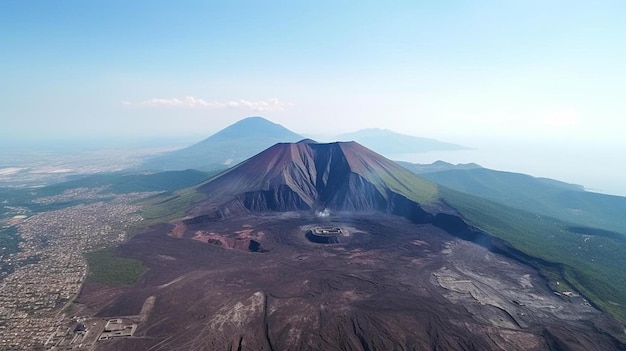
33,297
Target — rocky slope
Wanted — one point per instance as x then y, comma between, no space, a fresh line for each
311,176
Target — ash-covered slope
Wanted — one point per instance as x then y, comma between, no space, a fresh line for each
307,175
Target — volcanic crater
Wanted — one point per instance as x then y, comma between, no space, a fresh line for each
405,272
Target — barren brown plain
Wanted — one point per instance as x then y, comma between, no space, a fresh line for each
390,285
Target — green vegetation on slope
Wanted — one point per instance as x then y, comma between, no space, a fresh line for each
106,268
549,197
419,190
168,206
593,265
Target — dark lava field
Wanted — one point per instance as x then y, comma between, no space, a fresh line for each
389,284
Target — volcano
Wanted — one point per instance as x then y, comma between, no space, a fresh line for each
342,176
310,246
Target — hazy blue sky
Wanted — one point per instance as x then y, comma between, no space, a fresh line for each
445,69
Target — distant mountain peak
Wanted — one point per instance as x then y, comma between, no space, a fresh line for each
229,146
389,143
255,127
258,120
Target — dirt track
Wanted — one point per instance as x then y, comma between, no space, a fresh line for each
391,285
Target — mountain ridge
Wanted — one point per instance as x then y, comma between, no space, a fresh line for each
543,196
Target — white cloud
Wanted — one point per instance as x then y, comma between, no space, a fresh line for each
193,102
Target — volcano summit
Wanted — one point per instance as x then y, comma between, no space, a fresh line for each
308,176
392,266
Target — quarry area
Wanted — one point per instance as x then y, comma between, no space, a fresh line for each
385,284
